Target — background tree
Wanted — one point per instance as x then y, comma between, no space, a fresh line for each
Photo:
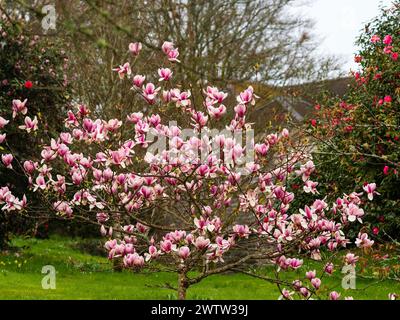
226,42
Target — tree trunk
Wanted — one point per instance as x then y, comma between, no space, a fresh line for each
182,283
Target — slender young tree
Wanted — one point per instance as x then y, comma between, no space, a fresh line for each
193,201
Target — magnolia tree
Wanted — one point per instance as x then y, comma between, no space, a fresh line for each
194,201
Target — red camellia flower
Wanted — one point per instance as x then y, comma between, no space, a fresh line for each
381,219
375,230
348,128
386,170
313,122
28,84
357,59
387,99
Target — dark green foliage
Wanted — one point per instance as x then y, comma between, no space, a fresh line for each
33,68
359,138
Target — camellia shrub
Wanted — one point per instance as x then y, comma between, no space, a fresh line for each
32,68
194,201
359,137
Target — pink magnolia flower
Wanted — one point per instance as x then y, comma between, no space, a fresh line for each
19,106
66,137
135,48
135,117
351,259
63,207
113,124
77,177
129,248
146,192
329,268
102,217
272,139
3,122
167,246
362,241
167,47
182,99
141,228
240,110
200,118
311,274
138,80
2,138
165,74
304,292
354,212
150,92
214,96
236,153
310,186
166,95
153,253
216,113
294,263
133,260
286,294
203,224
202,243
171,52
306,170
261,149
184,252
247,96
110,244
316,283
203,170
370,189
123,70
334,295
30,125
173,55
29,166
103,230
7,160
47,154
242,231
40,183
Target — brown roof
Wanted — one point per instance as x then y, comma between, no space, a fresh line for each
297,101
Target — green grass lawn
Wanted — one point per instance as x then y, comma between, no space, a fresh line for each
83,276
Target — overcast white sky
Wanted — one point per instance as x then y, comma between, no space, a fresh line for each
339,22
